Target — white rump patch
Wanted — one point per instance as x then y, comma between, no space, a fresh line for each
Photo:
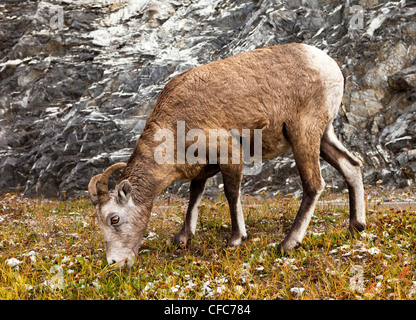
331,76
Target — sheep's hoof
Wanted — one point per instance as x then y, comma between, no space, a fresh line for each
181,239
356,227
236,240
286,246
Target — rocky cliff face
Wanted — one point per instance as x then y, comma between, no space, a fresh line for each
78,78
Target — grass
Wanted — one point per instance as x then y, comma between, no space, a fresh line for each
54,250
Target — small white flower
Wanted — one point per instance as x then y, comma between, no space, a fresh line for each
333,272
28,287
317,234
151,235
297,290
373,251
150,285
13,262
243,279
221,289
253,285
239,289
344,247
245,265
190,285
370,236
412,290
206,289
175,288
32,255
285,261
96,285
221,280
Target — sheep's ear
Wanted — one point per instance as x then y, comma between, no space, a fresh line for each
124,191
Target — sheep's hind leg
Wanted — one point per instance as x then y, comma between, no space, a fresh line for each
306,153
349,166
196,191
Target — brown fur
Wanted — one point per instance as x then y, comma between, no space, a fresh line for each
260,88
282,90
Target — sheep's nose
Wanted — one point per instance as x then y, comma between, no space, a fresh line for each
119,264
111,261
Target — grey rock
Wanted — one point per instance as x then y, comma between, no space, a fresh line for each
74,98
403,80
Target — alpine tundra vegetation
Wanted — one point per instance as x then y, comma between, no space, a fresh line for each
52,249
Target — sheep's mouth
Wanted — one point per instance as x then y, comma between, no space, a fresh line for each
136,249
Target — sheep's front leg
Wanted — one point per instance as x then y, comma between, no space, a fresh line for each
232,175
196,191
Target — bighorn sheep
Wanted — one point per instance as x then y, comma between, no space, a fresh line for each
292,92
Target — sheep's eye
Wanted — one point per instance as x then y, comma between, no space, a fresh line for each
115,219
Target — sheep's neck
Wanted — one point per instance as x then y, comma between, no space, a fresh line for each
148,178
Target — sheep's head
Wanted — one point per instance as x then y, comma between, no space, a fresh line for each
118,217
